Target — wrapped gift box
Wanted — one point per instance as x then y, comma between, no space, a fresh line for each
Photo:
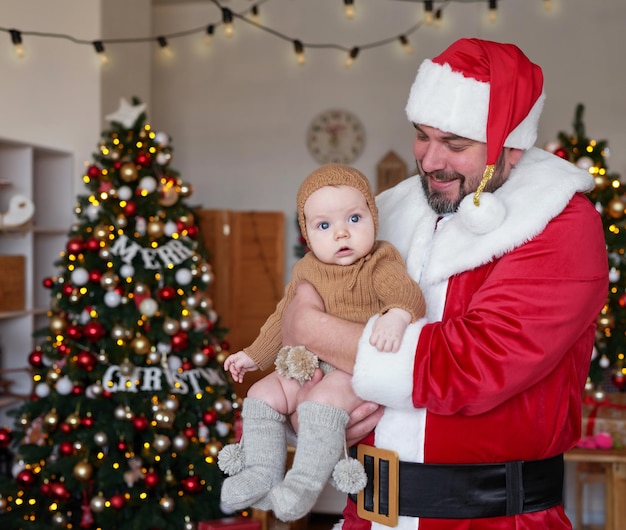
605,416
230,523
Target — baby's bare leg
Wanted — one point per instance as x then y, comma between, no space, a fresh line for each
277,391
335,388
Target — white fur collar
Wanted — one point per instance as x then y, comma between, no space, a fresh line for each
537,190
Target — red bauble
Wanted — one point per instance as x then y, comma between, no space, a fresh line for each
180,226
74,245
209,417
63,349
48,283
94,331
152,479
562,152
122,446
225,345
86,360
78,390
66,448
209,350
45,489
26,478
187,365
190,432
5,437
117,165
94,172
140,423
192,484
143,159
193,231
167,293
58,490
117,501
130,209
87,421
180,341
67,290
92,245
74,332
619,380
65,428
35,359
95,276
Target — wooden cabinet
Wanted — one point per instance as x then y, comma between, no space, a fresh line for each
247,254
43,177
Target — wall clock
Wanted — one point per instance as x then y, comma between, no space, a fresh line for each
335,135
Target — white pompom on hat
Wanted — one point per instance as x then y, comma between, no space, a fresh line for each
482,90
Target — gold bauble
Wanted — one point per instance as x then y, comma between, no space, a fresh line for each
601,182
164,418
109,280
169,196
212,448
187,219
155,229
98,503
57,324
167,504
3,504
140,345
59,519
121,221
616,207
186,189
83,470
128,172
161,443
73,420
52,376
101,232
606,321
51,420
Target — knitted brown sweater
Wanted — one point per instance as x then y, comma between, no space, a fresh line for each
374,284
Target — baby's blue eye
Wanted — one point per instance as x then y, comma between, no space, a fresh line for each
355,218
324,225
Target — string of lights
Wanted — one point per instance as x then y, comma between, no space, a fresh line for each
431,15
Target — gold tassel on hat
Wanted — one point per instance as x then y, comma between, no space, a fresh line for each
488,173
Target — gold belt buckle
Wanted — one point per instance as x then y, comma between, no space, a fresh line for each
376,459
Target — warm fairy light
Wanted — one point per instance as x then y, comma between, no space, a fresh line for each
16,39
349,7
547,5
354,52
227,19
298,48
405,43
493,10
99,47
428,11
165,49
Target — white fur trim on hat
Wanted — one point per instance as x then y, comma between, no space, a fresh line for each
451,102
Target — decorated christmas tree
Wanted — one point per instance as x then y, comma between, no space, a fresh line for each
130,403
607,366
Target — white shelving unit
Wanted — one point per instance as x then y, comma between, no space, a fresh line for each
44,176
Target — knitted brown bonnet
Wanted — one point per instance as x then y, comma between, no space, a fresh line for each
335,175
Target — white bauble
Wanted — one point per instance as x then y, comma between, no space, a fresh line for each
127,271
64,385
183,276
80,277
42,390
148,184
124,193
149,307
112,298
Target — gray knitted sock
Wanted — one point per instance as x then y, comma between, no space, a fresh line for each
264,451
321,439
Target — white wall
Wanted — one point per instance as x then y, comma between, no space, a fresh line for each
51,96
238,110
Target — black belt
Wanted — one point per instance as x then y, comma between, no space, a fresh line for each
464,491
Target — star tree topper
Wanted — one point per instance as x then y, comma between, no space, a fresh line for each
126,114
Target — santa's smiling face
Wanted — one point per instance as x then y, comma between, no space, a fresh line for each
451,167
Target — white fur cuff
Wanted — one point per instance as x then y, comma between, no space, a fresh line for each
386,378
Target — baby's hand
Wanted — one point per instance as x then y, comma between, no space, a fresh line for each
238,364
389,329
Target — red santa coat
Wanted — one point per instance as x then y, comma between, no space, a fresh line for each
495,372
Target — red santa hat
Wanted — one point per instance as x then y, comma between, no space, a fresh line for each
483,90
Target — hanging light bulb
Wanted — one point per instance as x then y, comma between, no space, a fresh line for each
255,13
208,36
99,47
298,48
352,56
227,19
349,5
165,49
493,10
547,5
406,44
438,17
428,11
16,39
